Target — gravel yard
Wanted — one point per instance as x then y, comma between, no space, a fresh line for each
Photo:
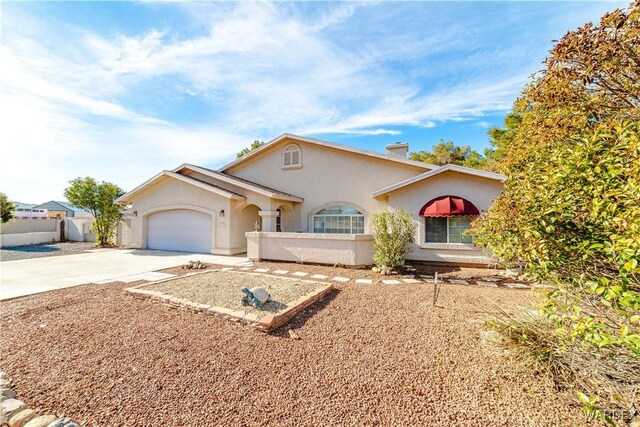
13,253
367,355
222,289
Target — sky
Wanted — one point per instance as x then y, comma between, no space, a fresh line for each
120,91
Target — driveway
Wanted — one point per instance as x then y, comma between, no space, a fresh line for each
32,276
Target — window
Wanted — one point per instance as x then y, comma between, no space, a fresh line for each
279,221
448,229
338,220
292,156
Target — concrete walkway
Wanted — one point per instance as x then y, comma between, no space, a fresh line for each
32,276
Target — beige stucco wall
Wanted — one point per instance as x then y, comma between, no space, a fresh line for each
345,249
169,193
479,191
327,177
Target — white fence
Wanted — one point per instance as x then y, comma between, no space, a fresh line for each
29,232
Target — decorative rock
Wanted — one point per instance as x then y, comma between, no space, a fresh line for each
391,282
261,294
300,273
22,417
280,271
319,276
340,279
261,270
63,422
293,335
364,281
5,383
11,407
6,393
41,421
2,375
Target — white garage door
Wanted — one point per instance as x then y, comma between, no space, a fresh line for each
179,230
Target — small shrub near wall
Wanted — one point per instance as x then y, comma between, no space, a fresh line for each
394,231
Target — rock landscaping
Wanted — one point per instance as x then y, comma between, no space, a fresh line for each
15,413
218,292
366,354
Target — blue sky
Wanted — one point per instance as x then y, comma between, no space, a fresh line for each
120,91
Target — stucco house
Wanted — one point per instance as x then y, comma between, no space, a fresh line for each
311,201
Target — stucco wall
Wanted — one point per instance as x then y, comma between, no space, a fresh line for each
169,193
345,249
479,191
327,177
29,232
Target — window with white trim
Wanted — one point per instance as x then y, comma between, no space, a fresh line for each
338,220
292,156
448,229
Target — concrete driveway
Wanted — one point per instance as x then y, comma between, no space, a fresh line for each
32,276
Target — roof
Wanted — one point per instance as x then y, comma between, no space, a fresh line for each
189,180
64,205
243,183
389,157
441,169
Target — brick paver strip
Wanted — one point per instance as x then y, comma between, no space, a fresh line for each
261,270
411,281
458,282
226,269
245,269
489,284
426,276
364,281
491,279
341,279
280,271
517,286
319,276
300,273
391,282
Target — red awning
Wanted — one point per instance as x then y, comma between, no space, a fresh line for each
449,206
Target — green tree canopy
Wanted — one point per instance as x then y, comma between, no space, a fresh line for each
570,208
97,198
446,152
7,208
254,145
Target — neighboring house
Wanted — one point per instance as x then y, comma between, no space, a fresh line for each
312,202
59,209
28,211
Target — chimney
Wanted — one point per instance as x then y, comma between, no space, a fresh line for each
399,149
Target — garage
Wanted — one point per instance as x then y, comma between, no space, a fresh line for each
179,230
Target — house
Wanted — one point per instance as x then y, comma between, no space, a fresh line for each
59,209
305,200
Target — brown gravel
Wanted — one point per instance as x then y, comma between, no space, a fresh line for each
367,355
222,289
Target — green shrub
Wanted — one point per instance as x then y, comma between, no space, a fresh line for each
394,231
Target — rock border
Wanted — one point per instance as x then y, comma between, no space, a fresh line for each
15,413
265,323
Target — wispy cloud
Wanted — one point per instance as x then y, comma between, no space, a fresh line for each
120,99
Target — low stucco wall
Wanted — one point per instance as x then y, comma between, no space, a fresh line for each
449,253
345,249
29,232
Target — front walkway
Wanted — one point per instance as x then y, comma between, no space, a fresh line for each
32,276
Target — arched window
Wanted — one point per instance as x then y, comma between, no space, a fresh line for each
447,218
292,156
338,220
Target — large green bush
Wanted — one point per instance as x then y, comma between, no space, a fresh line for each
570,209
394,231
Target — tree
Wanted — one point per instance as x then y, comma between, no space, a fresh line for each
7,208
446,152
500,140
254,145
97,198
570,208
394,231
